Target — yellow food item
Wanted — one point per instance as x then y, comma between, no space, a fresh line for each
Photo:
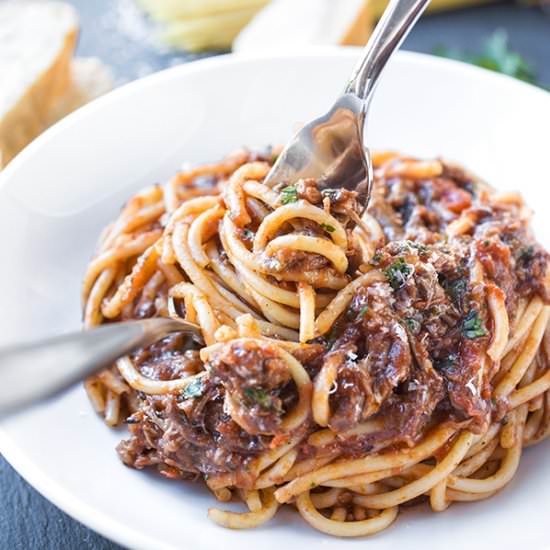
211,32
197,25
172,10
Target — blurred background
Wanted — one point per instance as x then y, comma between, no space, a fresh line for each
137,37
121,40
95,45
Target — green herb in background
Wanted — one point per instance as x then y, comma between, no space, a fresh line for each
495,55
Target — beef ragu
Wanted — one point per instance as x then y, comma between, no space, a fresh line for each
407,350
415,341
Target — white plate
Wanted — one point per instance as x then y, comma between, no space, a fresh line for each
58,194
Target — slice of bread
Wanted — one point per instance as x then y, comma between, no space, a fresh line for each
90,78
37,40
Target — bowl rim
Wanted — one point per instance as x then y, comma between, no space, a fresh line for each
54,491
211,63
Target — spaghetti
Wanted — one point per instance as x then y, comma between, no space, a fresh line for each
352,365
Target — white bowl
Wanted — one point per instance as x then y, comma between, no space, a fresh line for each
58,194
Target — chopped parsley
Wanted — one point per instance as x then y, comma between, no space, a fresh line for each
353,315
398,273
194,389
422,248
274,158
408,245
447,363
473,327
376,259
526,254
455,289
259,396
289,194
412,324
328,227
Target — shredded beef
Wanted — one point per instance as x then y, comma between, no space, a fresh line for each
168,359
253,376
408,352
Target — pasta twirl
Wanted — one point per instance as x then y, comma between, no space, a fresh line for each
351,365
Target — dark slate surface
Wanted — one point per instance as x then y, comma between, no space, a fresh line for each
114,31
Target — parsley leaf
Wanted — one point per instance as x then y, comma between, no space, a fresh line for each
412,324
422,248
194,389
328,227
526,254
260,397
334,333
353,315
455,289
376,259
495,55
289,194
472,326
447,363
407,246
398,273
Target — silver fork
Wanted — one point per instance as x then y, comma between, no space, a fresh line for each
38,370
330,148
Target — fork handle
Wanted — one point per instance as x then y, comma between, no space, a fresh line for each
35,371
395,24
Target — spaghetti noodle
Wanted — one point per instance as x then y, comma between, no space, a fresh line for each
351,365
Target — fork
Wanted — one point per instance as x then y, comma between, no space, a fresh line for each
330,148
33,372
